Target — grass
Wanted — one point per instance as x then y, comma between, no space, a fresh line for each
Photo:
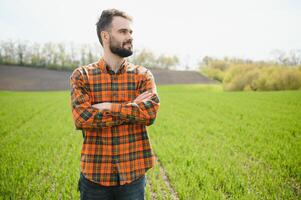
212,144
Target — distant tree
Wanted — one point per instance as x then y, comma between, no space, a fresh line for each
35,55
21,52
73,56
167,62
8,52
62,55
147,58
90,56
207,60
292,58
83,55
144,58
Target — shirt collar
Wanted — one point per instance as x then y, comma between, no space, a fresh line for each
107,69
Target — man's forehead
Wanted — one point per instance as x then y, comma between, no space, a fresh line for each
121,23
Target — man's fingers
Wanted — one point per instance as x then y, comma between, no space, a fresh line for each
103,106
95,105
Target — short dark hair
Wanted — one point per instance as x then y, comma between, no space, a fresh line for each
105,20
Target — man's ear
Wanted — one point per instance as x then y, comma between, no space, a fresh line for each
104,36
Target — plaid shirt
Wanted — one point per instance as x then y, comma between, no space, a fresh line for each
116,144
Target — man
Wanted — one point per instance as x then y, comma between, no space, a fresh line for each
112,103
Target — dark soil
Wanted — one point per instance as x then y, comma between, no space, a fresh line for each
20,78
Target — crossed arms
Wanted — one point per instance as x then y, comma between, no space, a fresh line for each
142,110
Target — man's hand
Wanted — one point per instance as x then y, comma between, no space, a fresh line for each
144,96
103,106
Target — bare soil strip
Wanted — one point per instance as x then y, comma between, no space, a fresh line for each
153,194
166,181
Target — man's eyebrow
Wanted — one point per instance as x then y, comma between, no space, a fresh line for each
125,29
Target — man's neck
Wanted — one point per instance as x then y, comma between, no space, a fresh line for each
113,60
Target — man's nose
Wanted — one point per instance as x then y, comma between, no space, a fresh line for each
130,38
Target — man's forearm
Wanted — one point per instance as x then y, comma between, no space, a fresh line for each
108,105
142,113
123,114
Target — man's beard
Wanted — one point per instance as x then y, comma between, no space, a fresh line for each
118,48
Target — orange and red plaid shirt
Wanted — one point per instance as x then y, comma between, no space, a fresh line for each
116,149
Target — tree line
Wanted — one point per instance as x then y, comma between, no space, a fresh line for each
68,56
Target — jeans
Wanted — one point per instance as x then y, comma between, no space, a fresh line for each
132,191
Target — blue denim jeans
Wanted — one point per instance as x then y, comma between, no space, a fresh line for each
132,191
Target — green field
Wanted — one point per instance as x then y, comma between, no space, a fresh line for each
211,144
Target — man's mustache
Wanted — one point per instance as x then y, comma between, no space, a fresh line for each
128,42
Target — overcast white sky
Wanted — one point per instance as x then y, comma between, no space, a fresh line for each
190,29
